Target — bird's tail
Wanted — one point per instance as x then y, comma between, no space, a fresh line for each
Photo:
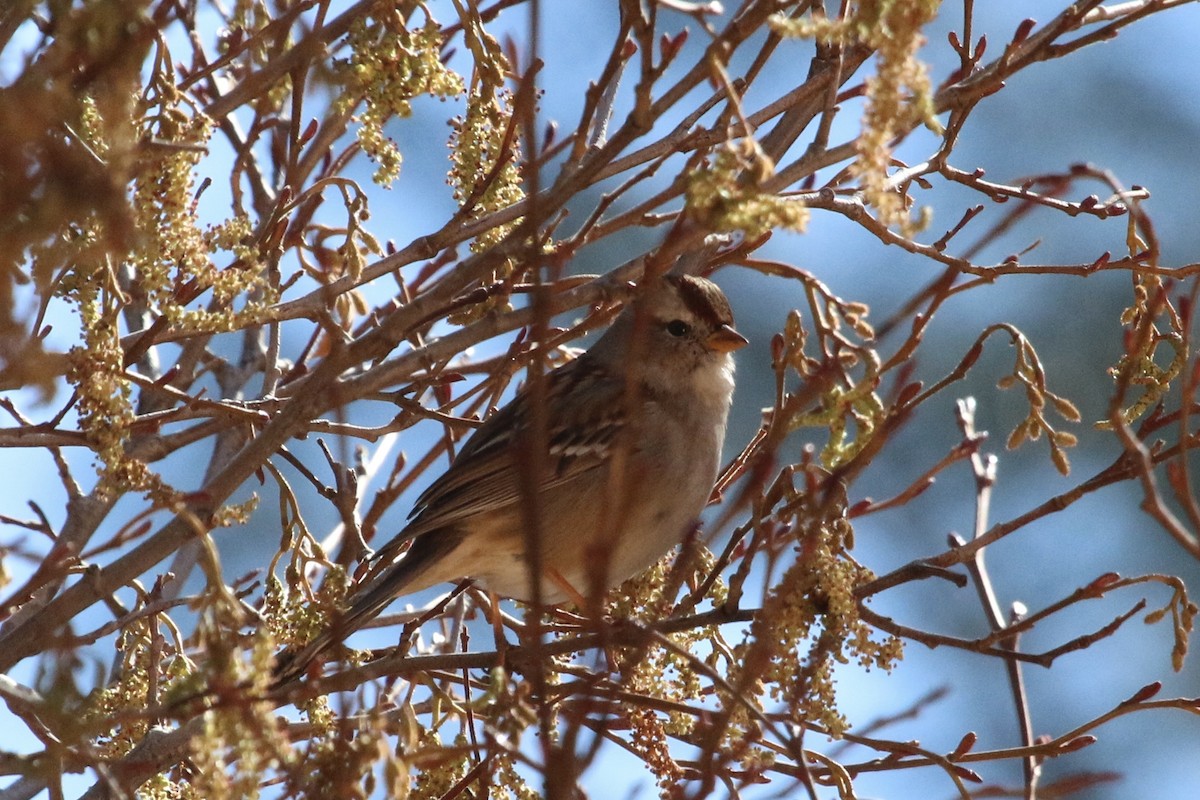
370,599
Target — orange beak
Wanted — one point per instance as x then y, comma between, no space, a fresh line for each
725,340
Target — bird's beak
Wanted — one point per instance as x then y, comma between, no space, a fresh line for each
725,340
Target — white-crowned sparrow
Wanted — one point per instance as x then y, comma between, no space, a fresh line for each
634,428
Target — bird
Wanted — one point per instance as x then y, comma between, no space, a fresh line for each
633,432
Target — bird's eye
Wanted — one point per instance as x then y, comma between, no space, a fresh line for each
678,327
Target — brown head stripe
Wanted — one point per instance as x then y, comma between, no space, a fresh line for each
703,298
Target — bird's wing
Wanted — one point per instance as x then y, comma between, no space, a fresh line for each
586,409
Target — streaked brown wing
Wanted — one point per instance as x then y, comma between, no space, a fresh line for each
588,412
